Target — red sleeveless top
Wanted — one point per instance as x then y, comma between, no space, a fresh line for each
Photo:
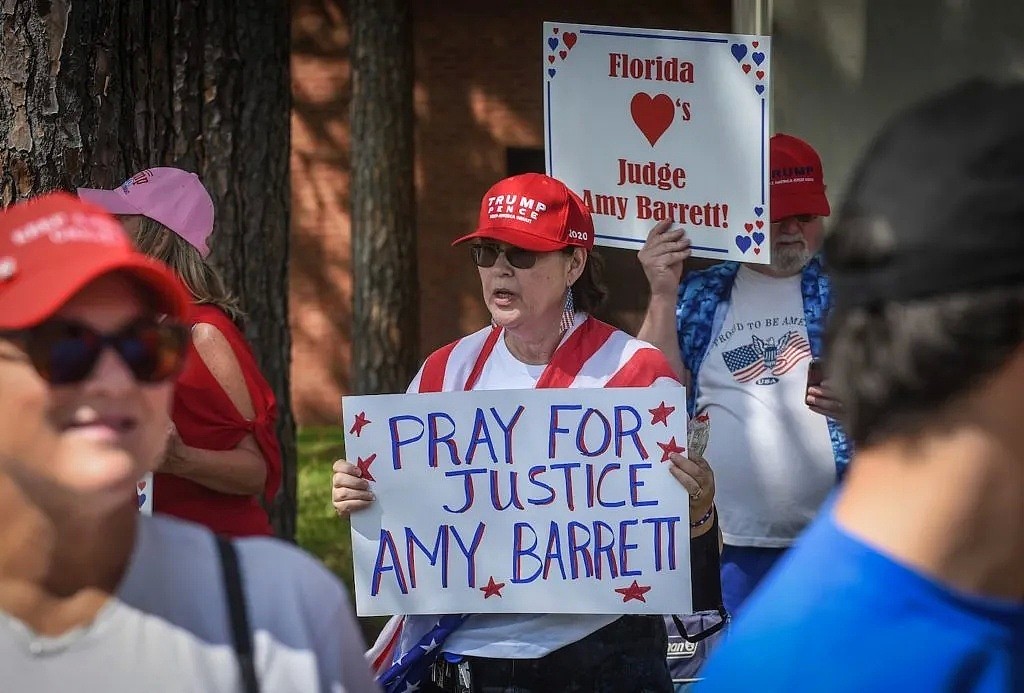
206,418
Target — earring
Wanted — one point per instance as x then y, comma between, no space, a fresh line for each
569,312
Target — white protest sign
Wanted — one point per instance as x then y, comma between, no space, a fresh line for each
520,501
648,125
144,490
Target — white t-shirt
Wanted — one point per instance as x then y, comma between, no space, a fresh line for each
772,455
526,636
167,628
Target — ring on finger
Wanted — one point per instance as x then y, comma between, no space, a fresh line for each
697,495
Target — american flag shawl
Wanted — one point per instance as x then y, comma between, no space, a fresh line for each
591,354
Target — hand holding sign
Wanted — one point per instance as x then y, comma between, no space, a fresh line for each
349,491
662,258
699,481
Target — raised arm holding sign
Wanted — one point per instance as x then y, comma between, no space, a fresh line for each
523,505
743,338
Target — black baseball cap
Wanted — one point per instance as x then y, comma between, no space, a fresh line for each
940,195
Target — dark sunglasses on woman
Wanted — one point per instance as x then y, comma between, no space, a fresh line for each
486,254
65,352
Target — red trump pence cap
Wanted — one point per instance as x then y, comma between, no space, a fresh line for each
535,212
52,246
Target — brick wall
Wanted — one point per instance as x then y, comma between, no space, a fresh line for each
478,93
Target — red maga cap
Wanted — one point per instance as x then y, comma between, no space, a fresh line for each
535,212
54,245
797,183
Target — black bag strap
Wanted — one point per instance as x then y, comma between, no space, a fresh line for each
241,634
707,632
706,580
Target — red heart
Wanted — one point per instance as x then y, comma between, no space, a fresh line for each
652,115
752,43
570,39
757,251
142,485
749,227
760,74
562,54
551,58
746,68
759,223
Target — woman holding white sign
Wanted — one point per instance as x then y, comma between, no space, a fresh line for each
541,280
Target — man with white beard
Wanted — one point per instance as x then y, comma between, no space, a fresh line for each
745,339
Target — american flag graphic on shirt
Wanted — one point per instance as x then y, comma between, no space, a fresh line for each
763,356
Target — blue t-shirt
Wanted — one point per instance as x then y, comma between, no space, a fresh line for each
837,615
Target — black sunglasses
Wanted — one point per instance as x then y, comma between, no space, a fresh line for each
486,254
65,352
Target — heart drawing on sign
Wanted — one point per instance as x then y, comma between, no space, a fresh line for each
743,243
652,115
570,39
142,499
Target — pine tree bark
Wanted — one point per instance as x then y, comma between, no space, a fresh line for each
386,313
93,91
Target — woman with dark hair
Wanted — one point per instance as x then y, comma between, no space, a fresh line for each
223,457
533,249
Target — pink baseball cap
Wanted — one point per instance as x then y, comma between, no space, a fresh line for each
175,198
535,212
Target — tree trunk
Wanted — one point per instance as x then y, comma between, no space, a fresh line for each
91,92
386,312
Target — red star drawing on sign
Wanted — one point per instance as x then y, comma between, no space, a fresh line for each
364,466
668,448
360,422
661,414
493,589
634,591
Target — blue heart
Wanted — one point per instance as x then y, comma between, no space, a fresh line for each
757,57
739,51
758,237
743,243
553,42
142,499
758,211
759,88
551,71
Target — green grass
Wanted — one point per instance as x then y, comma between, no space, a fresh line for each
319,530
